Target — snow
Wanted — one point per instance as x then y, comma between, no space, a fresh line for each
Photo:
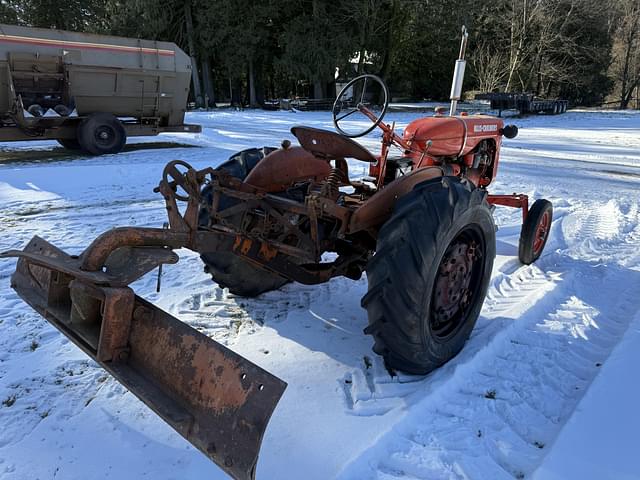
600,440
543,373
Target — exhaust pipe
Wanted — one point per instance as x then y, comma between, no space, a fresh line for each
458,74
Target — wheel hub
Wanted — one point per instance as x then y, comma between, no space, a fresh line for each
104,135
454,285
542,231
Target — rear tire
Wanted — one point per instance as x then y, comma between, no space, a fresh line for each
227,269
430,274
535,231
101,133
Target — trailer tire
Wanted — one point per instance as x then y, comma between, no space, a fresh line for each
69,143
535,231
227,269
430,274
101,133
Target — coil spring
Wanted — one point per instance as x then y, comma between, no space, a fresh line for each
330,187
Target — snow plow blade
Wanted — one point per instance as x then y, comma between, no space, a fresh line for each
216,399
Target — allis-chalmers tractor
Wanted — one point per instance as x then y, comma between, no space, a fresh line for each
420,226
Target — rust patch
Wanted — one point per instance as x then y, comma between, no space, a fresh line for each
266,252
280,169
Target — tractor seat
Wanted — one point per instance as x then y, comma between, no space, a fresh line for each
329,145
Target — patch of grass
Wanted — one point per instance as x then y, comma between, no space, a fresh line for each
44,414
9,401
34,345
490,394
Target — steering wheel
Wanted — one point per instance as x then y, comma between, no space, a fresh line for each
175,178
356,98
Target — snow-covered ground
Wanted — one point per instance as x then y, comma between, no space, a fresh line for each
524,398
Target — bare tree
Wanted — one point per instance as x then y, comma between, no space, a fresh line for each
489,66
627,51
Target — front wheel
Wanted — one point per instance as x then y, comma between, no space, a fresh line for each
535,231
430,274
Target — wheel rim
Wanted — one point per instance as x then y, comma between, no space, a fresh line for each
542,230
457,283
104,135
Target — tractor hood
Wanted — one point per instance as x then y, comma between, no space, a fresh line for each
451,136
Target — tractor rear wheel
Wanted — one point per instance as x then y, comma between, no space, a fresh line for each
430,274
227,269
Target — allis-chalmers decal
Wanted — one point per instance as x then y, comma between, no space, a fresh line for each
485,128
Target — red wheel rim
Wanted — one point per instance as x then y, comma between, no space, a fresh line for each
457,283
542,230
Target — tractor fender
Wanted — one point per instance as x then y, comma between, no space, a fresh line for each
377,210
280,169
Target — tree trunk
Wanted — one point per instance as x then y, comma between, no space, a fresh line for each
515,58
252,86
626,90
390,44
236,93
197,88
317,88
208,83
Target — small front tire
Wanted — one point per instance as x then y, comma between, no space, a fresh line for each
535,231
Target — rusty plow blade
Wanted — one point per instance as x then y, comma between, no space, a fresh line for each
216,399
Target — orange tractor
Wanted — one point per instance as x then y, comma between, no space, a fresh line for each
420,225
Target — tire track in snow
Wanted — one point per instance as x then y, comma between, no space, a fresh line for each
496,415
373,391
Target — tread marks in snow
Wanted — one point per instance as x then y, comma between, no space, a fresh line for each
537,370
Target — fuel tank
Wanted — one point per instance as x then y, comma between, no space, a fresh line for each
452,136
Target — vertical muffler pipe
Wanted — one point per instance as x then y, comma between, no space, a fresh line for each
458,74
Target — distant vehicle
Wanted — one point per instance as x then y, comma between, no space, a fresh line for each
89,92
524,102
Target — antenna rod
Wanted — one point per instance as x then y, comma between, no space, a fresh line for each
458,74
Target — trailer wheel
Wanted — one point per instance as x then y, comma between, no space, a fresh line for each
535,231
101,133
227,269
430,274
69,143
